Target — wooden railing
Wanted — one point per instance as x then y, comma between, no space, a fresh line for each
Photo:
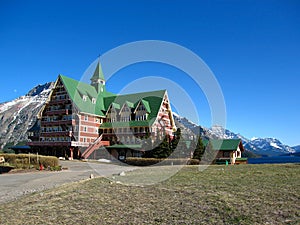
95,145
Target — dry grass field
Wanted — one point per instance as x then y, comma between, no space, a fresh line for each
244,194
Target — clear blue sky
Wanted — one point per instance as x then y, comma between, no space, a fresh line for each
252,47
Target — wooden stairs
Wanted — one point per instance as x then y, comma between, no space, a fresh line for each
94,146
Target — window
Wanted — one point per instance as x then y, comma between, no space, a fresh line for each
86,118
137,154
93,100
226,154
84,129
84,97
142,107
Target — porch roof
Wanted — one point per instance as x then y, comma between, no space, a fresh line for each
225,144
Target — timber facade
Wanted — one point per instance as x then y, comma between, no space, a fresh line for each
79,118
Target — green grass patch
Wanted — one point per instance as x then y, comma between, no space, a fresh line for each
244,194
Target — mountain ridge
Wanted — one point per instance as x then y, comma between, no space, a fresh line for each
259,146
18,115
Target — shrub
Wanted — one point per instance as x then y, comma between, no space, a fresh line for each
49,161
22,160
166,162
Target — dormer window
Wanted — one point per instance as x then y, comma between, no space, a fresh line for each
93,100
84,97
125,113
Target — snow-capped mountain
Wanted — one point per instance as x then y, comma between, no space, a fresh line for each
223,133
297,148
268,146
260,146
18,115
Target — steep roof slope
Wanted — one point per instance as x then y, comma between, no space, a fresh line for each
98,74
102,101
151,100
224,144
77,89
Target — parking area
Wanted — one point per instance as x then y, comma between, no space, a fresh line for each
15,185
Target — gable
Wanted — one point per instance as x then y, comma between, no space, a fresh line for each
86,99
77,90
126,106
152,100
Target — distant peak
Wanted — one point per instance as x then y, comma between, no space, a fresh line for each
39,89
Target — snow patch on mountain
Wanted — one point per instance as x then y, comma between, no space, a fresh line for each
18,115
268,146
274,145
296,148
261,146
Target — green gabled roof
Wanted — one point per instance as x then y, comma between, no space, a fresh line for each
115,105
98,74
129,104
147,106
154,99
76,89
223,144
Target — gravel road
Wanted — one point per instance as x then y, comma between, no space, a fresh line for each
15,185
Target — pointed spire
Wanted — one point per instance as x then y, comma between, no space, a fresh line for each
98,74
98,80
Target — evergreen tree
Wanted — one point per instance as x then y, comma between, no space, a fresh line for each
176,139
199,150
179,145
147,146
162,150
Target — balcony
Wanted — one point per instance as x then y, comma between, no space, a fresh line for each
49,143
59,101
57,122
58,112
55,133
80,144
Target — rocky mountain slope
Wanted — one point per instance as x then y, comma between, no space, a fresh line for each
18,115
297,148
260,146
268,146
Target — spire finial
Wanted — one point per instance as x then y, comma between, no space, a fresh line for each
98,80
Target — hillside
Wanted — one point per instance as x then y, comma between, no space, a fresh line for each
260,146
18,115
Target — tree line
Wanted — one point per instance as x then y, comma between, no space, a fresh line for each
177,147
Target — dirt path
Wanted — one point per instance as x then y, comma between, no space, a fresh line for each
15,185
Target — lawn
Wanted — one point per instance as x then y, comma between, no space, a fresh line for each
243,194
